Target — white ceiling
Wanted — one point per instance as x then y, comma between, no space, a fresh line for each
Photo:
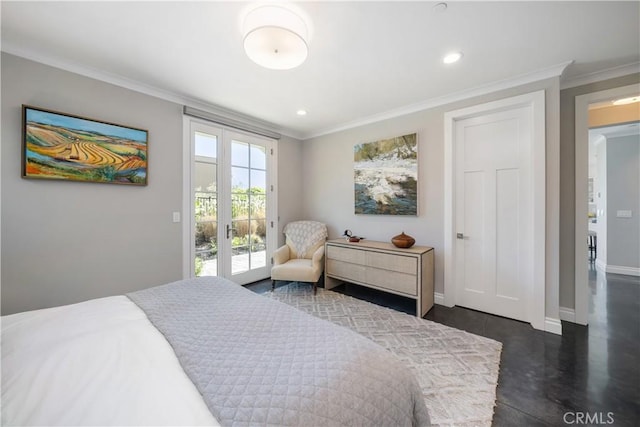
366,59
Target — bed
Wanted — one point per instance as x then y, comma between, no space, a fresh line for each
202,351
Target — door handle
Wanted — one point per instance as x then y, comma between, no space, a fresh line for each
459,236
228,231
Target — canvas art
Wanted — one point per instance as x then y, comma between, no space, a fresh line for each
386,176
66,147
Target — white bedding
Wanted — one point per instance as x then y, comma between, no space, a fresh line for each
100,362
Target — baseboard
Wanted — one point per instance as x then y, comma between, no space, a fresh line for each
552,325
619,269
568,314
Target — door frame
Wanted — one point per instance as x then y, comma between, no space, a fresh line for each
188,175
581,278
536,100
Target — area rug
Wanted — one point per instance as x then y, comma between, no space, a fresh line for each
457,371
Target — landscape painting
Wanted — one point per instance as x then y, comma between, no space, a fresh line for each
66,147
386,176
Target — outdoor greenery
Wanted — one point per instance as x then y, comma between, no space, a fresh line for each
248,210
199,265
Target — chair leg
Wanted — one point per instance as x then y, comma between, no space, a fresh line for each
315,288
273,285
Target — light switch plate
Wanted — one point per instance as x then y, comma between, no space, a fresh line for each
623,214
176,217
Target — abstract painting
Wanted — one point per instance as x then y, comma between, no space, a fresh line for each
386,176
62,146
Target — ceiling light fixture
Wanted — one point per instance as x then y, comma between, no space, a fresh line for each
625,101
440,7
301,112
452,57
275,37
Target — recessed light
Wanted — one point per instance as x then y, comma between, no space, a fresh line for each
301,112
625,101
452,57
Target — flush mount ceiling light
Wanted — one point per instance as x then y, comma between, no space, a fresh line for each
275,37
301,112
625,101
452,57
440,7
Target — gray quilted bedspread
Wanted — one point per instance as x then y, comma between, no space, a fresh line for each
257,361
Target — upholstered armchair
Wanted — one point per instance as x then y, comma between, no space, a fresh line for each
301,259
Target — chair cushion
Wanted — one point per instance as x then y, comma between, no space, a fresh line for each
293,254
296,270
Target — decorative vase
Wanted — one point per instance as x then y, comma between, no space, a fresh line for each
403,241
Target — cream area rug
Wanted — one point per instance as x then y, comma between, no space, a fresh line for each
458,371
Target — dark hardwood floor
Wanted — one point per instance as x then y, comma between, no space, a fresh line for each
588,376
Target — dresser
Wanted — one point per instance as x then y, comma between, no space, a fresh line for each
382,266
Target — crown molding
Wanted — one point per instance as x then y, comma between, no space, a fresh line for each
543,74
550,72
610,73
143,88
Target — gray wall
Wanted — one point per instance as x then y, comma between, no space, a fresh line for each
567,179
290,183
65,242
623,193
328,166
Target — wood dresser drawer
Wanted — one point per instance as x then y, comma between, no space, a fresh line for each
402,264
346,270
392,280
354,256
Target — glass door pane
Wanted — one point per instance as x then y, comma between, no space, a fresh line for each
248,206
205,192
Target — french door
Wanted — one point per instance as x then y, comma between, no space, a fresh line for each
232,203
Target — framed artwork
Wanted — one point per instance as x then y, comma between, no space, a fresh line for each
65,147
386,176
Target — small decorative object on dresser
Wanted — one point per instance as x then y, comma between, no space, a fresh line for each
403,241
350,237
382,266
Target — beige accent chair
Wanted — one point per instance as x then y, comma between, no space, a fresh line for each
301,259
